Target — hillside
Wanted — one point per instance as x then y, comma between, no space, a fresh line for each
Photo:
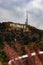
18,38
27,35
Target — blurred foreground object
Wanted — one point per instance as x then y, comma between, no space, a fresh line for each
35,58
0,63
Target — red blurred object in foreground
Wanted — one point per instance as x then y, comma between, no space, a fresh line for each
39,56
0,63
12,54
30,58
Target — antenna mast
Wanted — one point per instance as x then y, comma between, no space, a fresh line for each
26,18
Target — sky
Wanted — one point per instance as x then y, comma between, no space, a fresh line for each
15,11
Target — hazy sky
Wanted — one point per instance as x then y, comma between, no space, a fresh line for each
15,11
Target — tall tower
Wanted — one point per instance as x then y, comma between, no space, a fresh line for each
26,18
